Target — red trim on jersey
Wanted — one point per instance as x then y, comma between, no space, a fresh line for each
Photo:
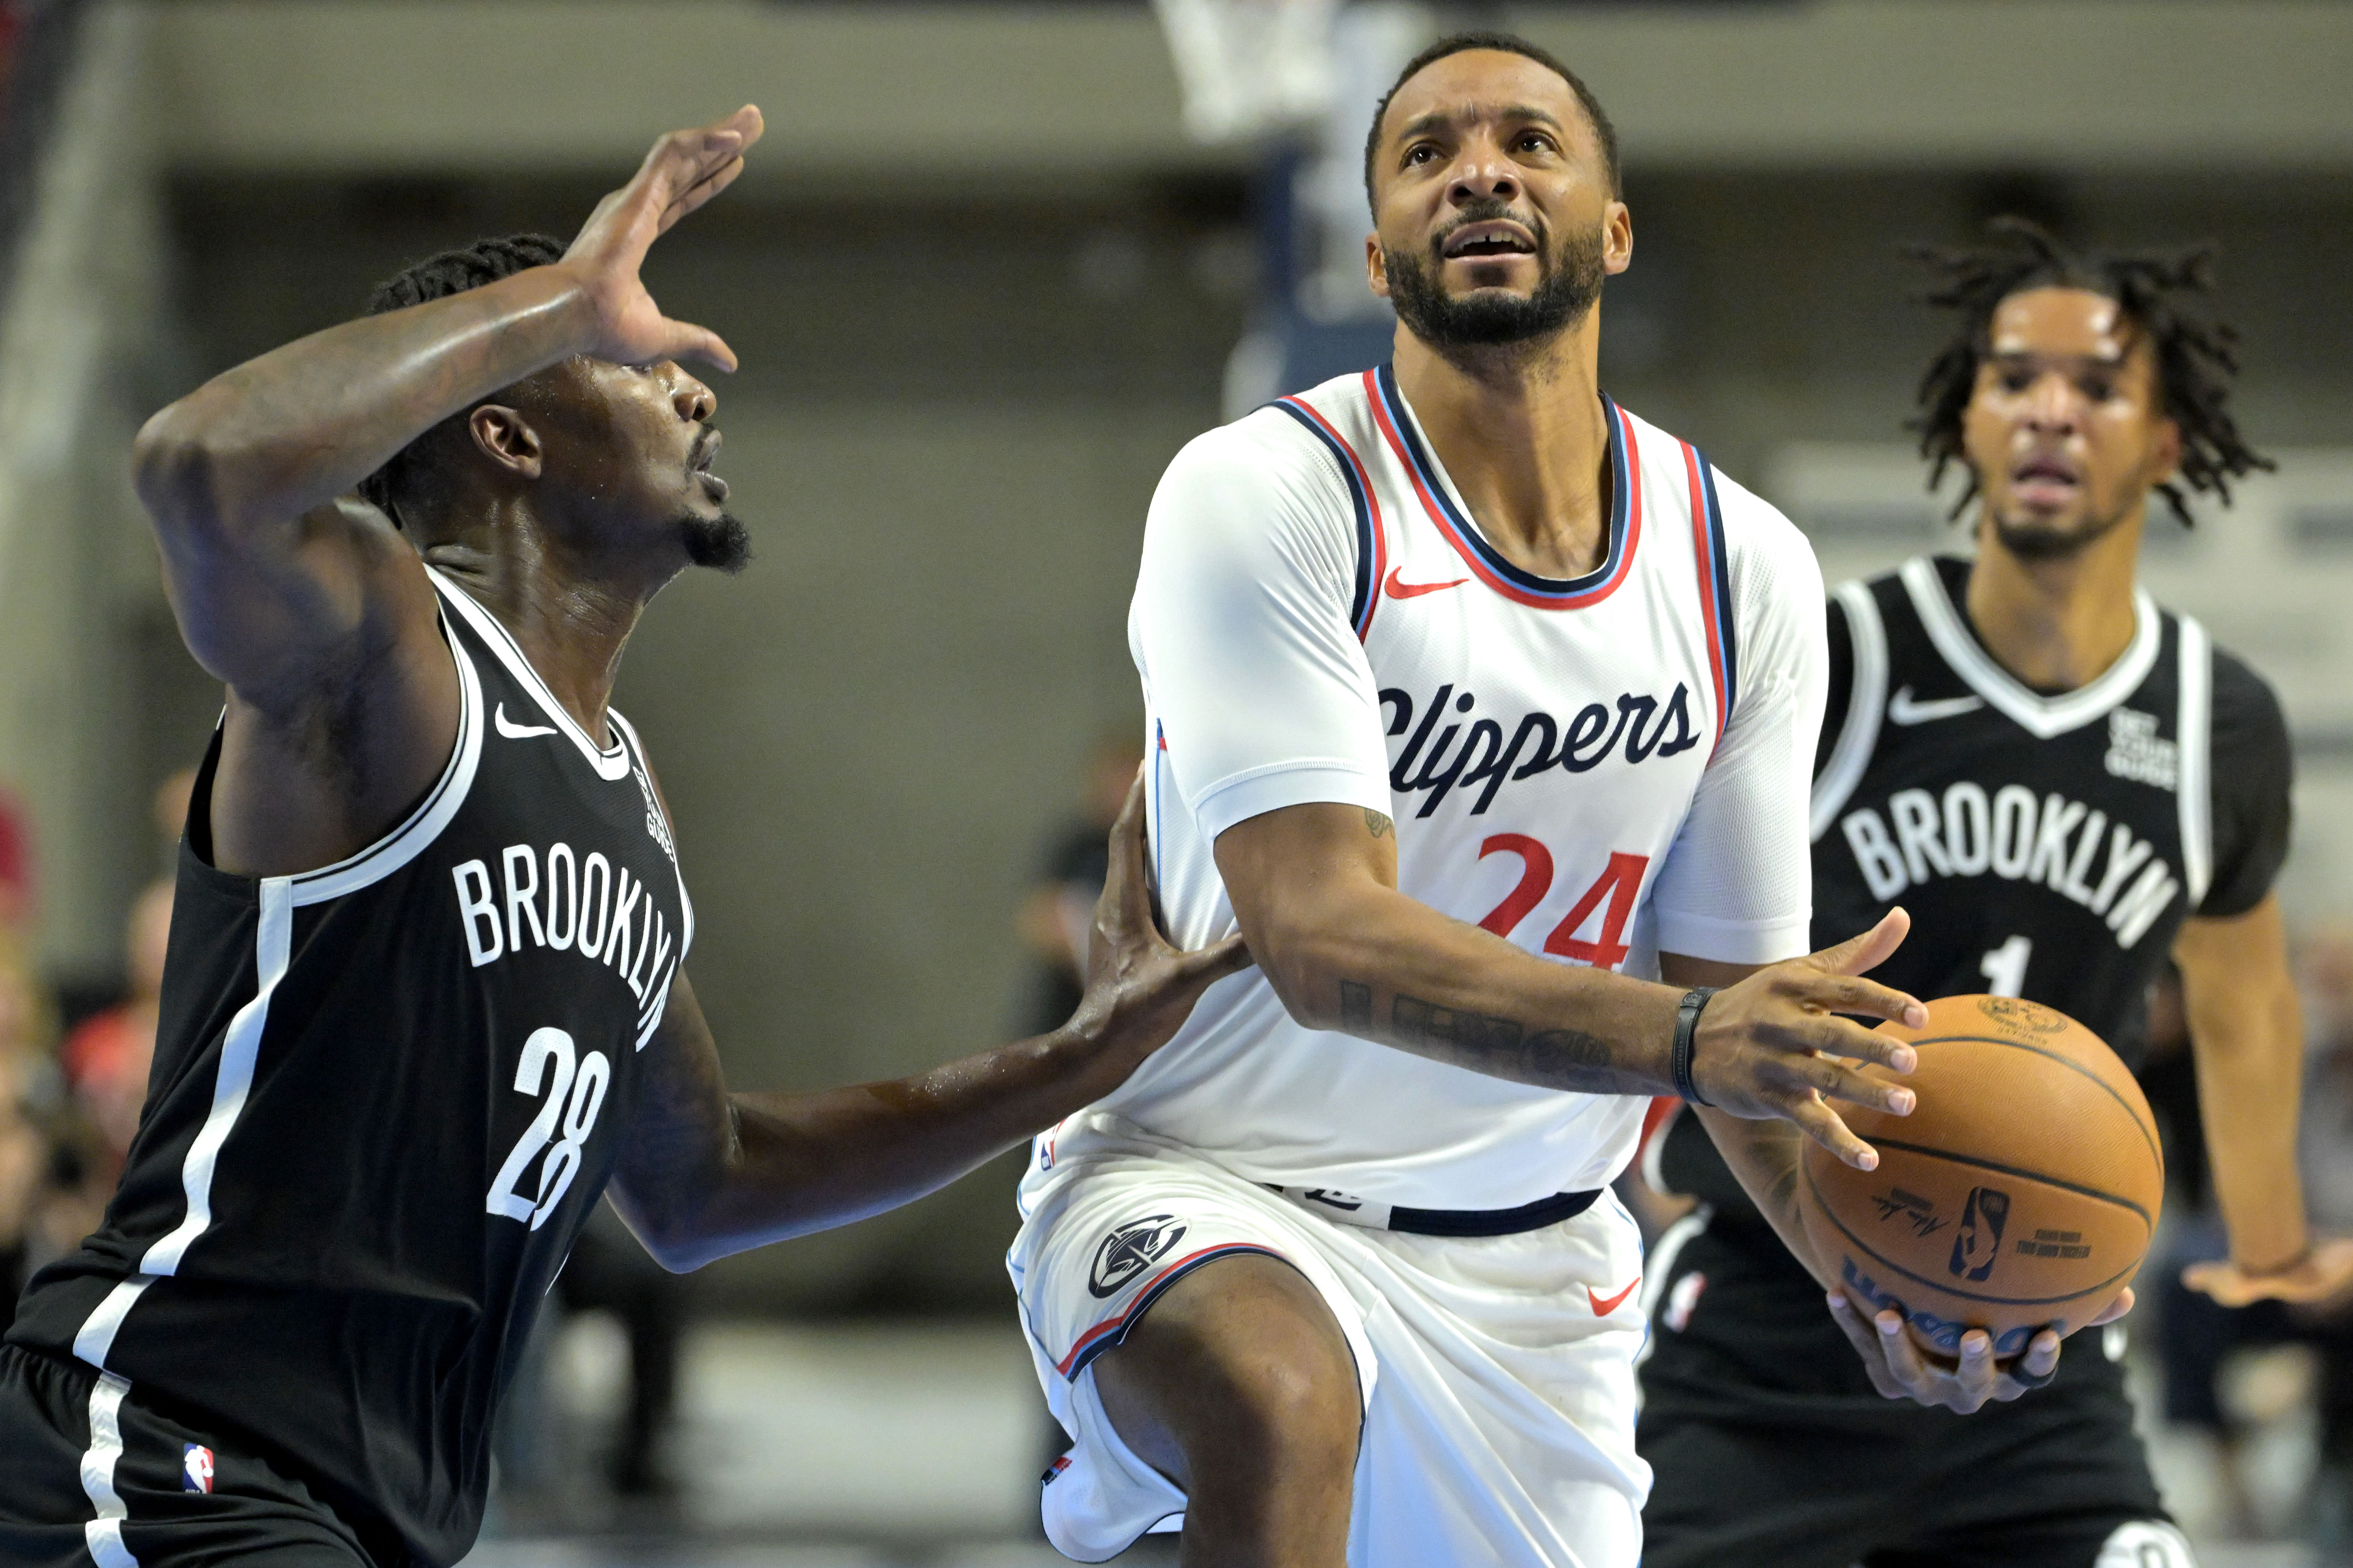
1372,508
1144,1296
1711,592
1471,557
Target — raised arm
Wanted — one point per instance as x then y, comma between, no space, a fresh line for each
268,570
707,1173
308,604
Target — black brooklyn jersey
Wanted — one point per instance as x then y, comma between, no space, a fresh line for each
2046,846
385,1096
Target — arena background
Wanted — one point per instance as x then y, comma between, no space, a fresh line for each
992,265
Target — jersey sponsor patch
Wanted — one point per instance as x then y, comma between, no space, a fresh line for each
196,1469
1131,1249
2136,752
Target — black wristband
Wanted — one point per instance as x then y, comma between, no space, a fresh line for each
1679,1060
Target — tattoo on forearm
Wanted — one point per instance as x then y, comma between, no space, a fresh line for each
1776,1153
1379,827
1562,1057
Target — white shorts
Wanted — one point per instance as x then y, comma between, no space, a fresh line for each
1498,1394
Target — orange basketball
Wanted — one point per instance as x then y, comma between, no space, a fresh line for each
2021,1190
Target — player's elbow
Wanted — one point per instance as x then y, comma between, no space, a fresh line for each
1310,961
195,478
668,1229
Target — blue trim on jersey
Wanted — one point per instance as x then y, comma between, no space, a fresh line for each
1136,1309
1360,607
1722,575
1467,533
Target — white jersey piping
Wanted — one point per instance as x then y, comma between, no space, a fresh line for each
1866,701
1660,1266
611,762
103,1534
2041,717
629,732
2194,740
424,823
276,898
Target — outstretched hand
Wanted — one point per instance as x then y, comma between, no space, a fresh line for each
2323,1277
684,170
1139,987
1772,1044
1898,1370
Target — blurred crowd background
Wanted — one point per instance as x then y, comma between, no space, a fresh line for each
993,265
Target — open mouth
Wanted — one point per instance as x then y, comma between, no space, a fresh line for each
2045,480
706,452
1479,241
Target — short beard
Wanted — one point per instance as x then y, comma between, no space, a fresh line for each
2039,542
1565,292
722,542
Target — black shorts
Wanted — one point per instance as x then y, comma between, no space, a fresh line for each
95,1474
1787,1476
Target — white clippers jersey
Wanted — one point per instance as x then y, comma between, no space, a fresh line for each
1595,769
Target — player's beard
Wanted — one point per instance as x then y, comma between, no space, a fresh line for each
1567,288
2029,540
722,542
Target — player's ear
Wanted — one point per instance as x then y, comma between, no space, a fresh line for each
1617,237
505,437
1376,267
2165,458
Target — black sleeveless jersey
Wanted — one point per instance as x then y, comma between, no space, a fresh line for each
385,1096
2047,846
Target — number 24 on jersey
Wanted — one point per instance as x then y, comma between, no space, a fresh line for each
1619,883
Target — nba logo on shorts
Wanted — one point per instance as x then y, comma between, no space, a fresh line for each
1982,1217
196,1469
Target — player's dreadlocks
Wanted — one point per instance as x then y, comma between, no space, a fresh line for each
2195,355
405,475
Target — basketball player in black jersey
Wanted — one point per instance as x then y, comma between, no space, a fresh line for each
2066,785
425,1001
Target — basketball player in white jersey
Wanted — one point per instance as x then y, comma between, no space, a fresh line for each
1455,671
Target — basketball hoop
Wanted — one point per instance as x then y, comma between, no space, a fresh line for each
1251,69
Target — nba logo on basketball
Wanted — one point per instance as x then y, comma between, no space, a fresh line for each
196,1469
1982,1218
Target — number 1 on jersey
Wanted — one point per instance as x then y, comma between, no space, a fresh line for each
2004,967
1619,881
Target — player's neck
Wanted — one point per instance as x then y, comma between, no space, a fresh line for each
2056,623
1521,432
573,626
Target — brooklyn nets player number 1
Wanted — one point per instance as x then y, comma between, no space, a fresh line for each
2066,784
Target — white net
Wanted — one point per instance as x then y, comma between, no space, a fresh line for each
1251,69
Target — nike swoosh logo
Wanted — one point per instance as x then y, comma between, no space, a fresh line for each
514,731
1605,1305
1902,710
1396,590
